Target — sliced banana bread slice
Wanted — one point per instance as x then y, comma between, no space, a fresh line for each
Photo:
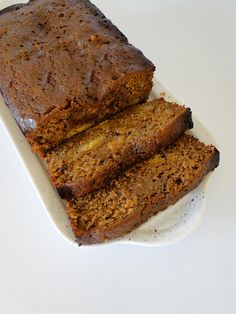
88,161
142,191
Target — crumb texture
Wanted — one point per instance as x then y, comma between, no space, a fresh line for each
87,161
142,191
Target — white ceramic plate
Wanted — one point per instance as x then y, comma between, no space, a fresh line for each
165,228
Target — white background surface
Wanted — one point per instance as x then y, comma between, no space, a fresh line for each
194,47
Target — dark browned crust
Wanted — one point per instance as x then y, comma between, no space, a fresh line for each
47,117
11,8
142,213
143,150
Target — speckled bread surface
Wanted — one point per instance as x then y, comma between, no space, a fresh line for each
65,67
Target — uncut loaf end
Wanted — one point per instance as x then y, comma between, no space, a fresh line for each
65,67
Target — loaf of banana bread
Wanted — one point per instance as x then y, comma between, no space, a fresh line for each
65,67
142,191
89,160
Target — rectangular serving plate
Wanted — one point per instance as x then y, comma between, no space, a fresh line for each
36,169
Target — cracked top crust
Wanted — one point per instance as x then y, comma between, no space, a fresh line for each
55,51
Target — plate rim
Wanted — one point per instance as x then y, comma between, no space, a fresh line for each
42,183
